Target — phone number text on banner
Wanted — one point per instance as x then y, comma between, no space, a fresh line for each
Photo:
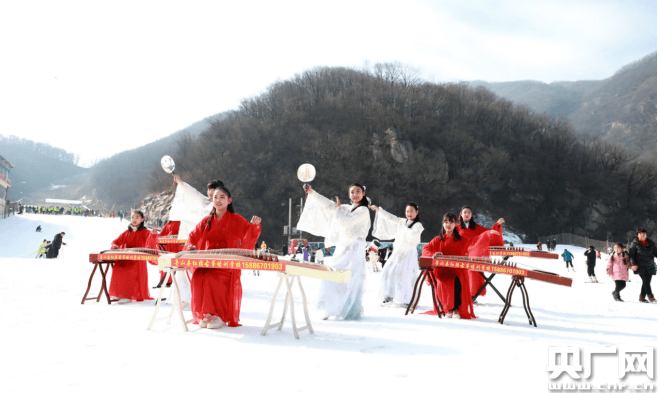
222,264
127,257
480,267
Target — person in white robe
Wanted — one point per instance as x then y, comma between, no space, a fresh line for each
402,267
346,227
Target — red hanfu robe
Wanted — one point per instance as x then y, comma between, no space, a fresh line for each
130,279
170,229
446,276
219,291
478,241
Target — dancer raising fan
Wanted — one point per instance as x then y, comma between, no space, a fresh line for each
478,241
346,227
402,268
217,293
130,279
453,288
189,205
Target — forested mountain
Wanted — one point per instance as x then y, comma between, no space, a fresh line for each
621,109
439,145
36,165
124,176
114,183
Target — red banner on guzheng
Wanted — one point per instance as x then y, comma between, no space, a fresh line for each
127,257
171,241
224,264
480,267
506,253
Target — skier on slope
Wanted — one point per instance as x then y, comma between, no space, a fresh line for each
568,257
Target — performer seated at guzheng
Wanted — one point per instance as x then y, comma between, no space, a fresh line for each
346,227
453,288
402,268
189,206
217,293
130,279
478,242
170,229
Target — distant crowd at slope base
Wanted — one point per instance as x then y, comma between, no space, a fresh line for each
70,211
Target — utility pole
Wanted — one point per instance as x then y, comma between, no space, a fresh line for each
289,231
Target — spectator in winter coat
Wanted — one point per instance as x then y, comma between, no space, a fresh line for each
591,263
568,257
553,244
617,268
642,254
55,246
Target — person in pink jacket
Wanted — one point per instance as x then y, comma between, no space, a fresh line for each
617,268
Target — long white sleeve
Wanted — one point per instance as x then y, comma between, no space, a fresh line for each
386,225
317,215
188,206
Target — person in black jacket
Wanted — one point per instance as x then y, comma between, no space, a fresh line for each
642,254
591,263
55,246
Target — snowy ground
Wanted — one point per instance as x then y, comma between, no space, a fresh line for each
50,342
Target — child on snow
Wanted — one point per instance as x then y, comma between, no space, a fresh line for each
41,252
617,268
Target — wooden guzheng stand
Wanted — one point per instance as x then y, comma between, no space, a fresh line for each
287,271
108,258
485,265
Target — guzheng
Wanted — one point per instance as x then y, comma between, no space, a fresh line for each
162,240
499,251
108,257
126,254
484,264
250,260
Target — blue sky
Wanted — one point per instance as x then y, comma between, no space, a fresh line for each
125,73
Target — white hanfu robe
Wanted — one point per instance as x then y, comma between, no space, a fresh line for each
188,206
402,267
347,231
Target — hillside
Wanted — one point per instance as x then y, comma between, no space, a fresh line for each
120,181
440,145
624,109
115,183
37,166
621,109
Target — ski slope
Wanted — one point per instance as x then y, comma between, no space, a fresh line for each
50,342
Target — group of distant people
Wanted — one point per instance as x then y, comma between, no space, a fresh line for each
640,259
70,211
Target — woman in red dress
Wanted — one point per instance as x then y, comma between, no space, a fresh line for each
478,241
453,290
217,293
130,280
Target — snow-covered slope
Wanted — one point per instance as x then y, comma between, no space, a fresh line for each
50,342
